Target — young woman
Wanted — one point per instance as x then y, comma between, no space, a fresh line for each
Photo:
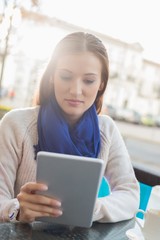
66,120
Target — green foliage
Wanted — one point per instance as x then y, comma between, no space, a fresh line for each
4,110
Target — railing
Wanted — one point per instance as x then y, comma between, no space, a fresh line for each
146,175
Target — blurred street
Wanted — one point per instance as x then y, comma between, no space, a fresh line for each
143,144
144,133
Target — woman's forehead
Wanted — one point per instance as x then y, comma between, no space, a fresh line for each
80,64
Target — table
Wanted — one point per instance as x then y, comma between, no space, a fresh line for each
48,231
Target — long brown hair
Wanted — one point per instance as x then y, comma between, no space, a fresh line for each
73,43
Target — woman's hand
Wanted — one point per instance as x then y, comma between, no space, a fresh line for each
34,205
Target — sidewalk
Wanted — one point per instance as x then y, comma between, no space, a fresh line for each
150,134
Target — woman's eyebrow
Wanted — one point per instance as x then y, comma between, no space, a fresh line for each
94,74
86,74
64,69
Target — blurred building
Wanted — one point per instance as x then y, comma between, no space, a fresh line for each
149,87
134,81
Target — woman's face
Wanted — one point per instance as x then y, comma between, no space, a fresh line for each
77,79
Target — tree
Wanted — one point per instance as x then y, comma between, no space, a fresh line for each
7,17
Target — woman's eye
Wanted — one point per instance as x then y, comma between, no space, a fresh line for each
88,81
65,78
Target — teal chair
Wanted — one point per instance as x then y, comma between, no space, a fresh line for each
145,192
147,179
104,189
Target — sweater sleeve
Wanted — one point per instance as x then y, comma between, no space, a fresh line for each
10,155
123,201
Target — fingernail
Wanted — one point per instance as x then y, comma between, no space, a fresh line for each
45,187
58,204
60,213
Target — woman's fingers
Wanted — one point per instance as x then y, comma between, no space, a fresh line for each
29,211
33,204
42,209
27,215
28,193
38,199
32,187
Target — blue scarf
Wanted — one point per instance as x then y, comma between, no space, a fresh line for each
55,134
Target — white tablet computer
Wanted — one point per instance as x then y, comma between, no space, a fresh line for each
75,180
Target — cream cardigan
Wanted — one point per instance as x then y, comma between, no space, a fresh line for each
18,135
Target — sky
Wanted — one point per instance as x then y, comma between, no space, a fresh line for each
127,20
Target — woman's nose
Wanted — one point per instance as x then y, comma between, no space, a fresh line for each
76,88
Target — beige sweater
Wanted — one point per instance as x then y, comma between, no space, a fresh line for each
18,134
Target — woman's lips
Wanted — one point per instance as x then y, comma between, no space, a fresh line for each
73,102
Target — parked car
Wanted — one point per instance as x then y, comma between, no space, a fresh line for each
128,115
109,110
148,120
157,121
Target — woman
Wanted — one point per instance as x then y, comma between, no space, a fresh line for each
65,120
